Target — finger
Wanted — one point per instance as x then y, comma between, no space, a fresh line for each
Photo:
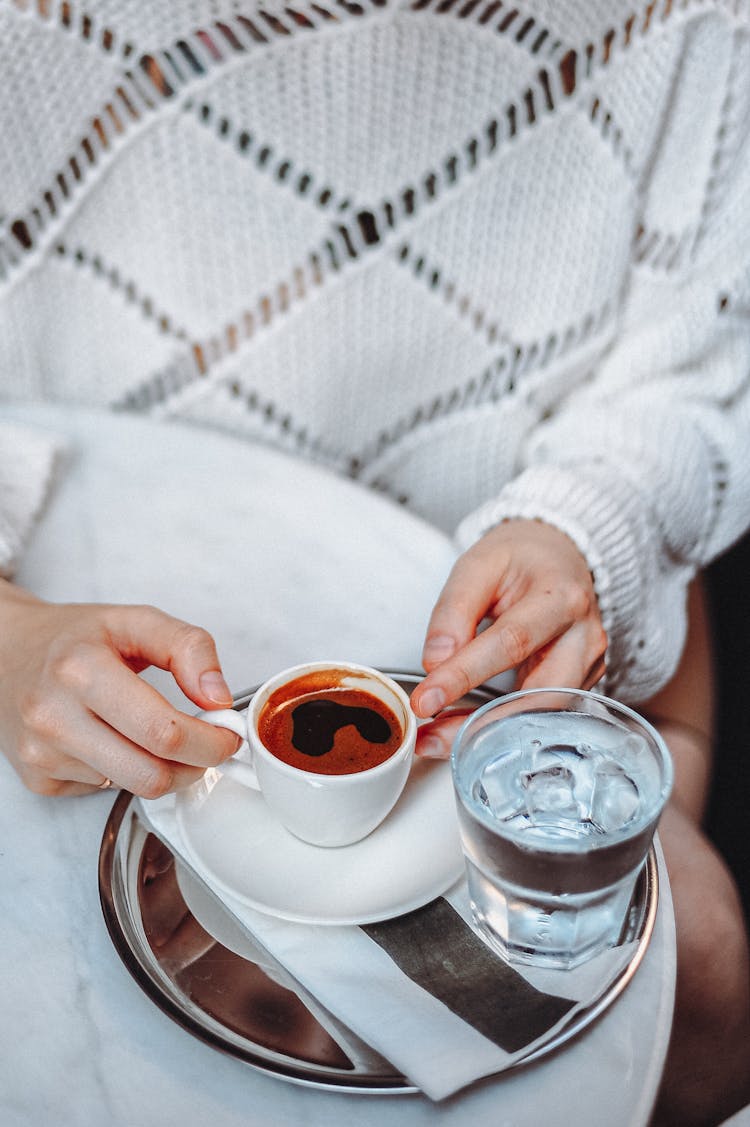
46,769
100,753
137,711
129,766
595,673
575,659
435,739
64,776
56,789
506,644
468,592
66,769
188,652
52,786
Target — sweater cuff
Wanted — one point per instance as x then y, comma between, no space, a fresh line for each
606,519
29,464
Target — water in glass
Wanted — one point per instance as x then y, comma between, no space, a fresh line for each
557,809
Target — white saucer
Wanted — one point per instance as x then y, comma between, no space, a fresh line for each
412,857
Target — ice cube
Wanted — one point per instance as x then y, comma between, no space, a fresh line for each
616,799
499,787
532,736
549,792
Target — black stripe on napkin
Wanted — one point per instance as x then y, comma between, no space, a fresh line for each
437,950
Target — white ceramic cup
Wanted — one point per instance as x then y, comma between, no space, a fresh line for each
322,809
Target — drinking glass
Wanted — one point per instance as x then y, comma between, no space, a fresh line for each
558,792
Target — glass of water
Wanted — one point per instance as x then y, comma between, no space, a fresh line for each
559,792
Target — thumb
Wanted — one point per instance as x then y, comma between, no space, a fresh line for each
147,636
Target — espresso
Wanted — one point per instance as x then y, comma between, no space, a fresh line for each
317,724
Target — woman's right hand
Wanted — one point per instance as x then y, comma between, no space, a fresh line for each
74,713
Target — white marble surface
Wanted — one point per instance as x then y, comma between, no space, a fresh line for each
281,562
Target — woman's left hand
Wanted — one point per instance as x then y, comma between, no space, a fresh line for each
530,579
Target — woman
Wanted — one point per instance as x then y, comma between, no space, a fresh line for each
492,262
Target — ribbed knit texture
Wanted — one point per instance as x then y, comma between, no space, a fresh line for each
491,259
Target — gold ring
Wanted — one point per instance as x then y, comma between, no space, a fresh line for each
105,784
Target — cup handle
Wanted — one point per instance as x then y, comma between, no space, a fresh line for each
242,770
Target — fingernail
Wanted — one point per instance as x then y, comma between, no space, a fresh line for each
214,687
439,648
431,702
432,747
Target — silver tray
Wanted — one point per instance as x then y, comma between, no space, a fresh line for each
200,967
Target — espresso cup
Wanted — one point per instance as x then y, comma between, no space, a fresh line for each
329,744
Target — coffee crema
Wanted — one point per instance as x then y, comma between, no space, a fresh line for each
318,724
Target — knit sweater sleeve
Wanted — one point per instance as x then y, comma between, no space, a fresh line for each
645,466
28,462
651,484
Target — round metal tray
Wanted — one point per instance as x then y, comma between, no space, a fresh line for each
195,961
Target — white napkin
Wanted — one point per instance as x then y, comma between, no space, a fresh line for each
423,990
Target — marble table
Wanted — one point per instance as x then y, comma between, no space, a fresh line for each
282,562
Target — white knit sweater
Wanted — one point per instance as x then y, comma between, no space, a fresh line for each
490,258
